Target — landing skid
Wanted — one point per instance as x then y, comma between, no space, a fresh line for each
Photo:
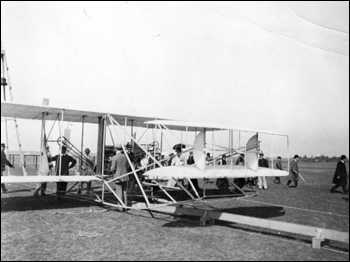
167,195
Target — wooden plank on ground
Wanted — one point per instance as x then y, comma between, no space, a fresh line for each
319,233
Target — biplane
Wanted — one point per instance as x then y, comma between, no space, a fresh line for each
157,174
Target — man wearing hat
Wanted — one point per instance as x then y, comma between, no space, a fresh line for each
294,172
120,167
87,169
67,162
4,162
340,176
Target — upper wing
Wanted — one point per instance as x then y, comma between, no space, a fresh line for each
21,111
194,126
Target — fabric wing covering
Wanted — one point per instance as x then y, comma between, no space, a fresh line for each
252,157
44,163
198,151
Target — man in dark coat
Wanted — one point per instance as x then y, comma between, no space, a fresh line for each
67,163
279,167
340,176
294,172
4,162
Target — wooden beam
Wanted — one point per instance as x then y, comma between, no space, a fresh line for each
318,234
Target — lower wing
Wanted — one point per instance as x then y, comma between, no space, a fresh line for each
47,179
181,172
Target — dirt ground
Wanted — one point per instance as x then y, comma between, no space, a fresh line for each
44,228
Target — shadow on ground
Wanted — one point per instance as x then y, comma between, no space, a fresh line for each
32,203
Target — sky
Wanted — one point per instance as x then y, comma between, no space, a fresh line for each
277,66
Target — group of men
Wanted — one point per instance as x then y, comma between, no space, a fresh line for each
293,172
120,167
340,178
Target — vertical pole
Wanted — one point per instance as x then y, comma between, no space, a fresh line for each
161,141
100,144
220,139
132,134
104,144
154,142
42,138
126,124
7,147
212,146
60,165
272,151
239,142
82,145
245,152
186,143
231,146
288,156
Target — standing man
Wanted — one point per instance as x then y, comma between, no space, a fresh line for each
87,169
340,176
4,162
294,172
120,166
67,163
279,167
262,184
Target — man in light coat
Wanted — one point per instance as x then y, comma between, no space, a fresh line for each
120,167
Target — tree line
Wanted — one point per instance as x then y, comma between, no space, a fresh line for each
320,159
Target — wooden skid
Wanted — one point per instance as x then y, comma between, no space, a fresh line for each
318,234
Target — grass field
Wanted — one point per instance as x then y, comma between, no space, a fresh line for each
46,229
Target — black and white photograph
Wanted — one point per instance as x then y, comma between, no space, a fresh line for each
175,130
